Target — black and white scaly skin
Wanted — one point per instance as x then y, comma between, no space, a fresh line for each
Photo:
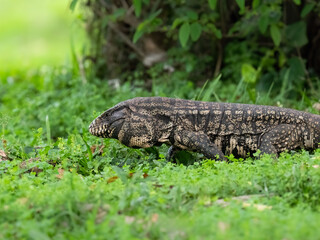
213,129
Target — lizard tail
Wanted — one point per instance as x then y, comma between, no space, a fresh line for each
317,130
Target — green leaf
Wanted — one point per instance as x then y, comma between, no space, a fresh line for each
252,93
137,7
249,73
147,25
37,234
307,9
218,33
154,15
275,34
176,23
118,13
215,30
212,4
105,21
73,4
192,15
263,24
184,34
282,59
88,147
296,34
211,89
120,173
195,31
241,4
297,69
297,2
255,4
137,35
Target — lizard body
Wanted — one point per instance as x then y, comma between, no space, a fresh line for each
213,129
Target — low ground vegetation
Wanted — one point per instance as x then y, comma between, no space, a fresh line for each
59,182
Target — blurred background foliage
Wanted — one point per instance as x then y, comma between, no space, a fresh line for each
263,45
37,33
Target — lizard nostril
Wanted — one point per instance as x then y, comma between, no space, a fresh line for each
92,128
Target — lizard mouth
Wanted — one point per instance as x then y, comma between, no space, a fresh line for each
97,130
105,129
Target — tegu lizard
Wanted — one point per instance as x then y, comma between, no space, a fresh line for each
213,129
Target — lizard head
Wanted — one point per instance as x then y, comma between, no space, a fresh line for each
138,122
109,123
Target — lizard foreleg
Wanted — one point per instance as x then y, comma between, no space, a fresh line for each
197,141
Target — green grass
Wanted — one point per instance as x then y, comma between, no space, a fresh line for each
76,186
154,199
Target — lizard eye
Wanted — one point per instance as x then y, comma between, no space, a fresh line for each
116,122
117,115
